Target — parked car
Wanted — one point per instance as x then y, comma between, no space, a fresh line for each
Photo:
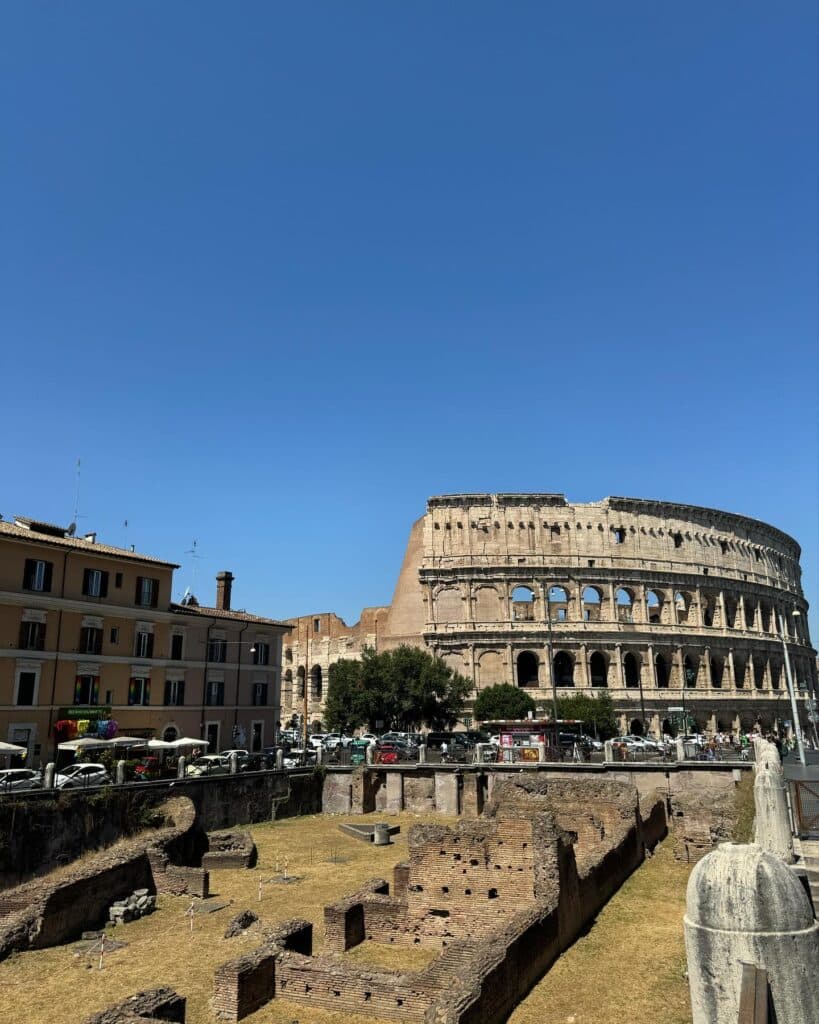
209,764
76,776
337,739
19,778
235,750
368,737
387,753
316,740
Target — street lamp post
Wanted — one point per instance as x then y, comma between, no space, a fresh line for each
551,653
797,728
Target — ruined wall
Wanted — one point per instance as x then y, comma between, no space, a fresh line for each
70,900
161,1004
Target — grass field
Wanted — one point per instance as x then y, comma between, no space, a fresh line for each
632,957
631,963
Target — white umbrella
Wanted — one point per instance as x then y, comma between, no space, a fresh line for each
127,741
188,741
11,748
161,745
92,743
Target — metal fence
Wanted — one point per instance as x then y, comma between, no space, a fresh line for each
805,801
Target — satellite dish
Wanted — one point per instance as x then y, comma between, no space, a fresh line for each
72,529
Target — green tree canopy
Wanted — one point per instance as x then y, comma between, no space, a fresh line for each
503,701
402,688
592,711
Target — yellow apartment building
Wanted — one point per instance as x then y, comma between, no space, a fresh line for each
89,635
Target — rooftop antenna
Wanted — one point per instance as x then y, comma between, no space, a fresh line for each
76,499
195,556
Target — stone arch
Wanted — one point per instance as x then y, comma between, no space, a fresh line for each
558,603
709,610
300,684
624,599
717,671
527,664
775,666
690,672
563,669
599,669
682,605
654,603
170,732
731,607
488,606
449,605
750,612
631,670
636,727
523,604
316,683
661,669
759,672
739,671
592,604
491,669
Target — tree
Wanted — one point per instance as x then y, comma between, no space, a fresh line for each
503,701
596,713
342,707
402,688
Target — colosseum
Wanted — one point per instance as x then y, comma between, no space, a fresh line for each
674,609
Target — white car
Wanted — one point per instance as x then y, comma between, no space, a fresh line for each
367,737
77,776
209,764
317,739
19,778
336,739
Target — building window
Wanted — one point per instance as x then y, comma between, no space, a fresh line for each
26,689
677,538
147,592
32,636
316,625
619,535
114,634
217,650
90,640
177,646
117,580
215,694
95,583
144,645
86,690
170,734
37,575
259,694
139,690
174,692
261,655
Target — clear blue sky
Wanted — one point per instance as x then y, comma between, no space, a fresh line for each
278,272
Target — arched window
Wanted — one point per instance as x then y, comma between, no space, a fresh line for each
527,669
558,604
636,727
661,668
625,605
523,604
739,671
682,602
759,673
655,606
631,670
300,686
690,674
717,671
170,733
598,669
316,682
563,669
750,613
592,599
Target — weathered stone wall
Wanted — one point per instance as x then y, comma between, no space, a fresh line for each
43,830
161,1004
344,920
59,907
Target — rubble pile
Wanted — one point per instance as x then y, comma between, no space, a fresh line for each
137,905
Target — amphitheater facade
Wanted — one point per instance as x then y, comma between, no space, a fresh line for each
667,606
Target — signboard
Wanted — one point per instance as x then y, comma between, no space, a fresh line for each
92,714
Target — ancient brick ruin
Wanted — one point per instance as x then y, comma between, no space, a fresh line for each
500,896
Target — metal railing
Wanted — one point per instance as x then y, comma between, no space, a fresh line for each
805,801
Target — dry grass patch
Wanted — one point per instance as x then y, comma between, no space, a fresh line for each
631,965
390,957
52,986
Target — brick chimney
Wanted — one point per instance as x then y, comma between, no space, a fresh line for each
224,582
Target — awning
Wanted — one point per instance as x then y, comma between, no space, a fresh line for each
94,743
12,748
